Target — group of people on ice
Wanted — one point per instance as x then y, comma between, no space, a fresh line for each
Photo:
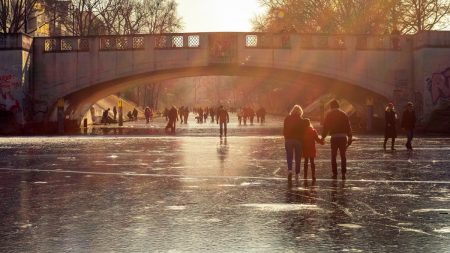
220,114
301,137
248,114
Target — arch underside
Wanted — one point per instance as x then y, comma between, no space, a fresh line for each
80,101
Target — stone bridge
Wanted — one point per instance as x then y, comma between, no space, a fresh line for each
82,70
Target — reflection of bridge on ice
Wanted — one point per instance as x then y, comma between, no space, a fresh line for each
85,69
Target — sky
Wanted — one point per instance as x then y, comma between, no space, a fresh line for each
218,15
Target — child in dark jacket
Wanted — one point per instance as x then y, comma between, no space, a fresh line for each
309,149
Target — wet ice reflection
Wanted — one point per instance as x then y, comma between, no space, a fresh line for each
198,194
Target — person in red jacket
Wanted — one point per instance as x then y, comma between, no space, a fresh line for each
337,124
309,149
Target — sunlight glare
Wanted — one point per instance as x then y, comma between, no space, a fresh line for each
218,15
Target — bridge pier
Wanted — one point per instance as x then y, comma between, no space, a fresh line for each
15,85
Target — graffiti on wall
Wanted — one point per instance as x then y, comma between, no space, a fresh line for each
10,91
438,84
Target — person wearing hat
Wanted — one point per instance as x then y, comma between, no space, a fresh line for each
409,123
390,131
337,125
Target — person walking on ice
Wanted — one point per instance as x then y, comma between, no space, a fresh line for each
309,150
337,124
293,132
390,129
223,119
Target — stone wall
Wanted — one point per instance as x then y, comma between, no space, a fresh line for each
15,97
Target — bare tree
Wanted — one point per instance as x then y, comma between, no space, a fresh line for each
352,16
122,17
15,14
91,17
161,16
84,18
423,15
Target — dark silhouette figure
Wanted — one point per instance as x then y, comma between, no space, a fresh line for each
262,114
200,115
135,114
245,115
409,123
240,115
337,124
251,114
185,114
130,116
309,149
390,129
293,132
105,116
180,113
205,114
173,118
148,114
223,119
212,113
115,113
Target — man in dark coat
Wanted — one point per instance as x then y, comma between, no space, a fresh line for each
337,124
173,118
223,119
409,123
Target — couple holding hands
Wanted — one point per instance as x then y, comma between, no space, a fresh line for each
300,138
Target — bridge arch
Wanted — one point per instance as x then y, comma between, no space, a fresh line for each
78,102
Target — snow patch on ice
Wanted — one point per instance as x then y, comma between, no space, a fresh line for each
444,230
226,185
403,195
213,220
176,208
353,226
250,183
429,210
281,207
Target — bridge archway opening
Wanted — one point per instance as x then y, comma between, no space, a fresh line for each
281,89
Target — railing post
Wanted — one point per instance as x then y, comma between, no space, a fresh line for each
120,111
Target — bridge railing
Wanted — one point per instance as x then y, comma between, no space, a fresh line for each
66,44
432,39
174,41
249,41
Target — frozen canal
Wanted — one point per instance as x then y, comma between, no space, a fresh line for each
202,194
